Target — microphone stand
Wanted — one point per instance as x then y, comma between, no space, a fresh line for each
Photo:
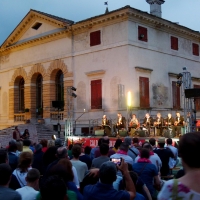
76,120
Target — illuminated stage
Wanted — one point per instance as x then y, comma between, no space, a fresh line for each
92,141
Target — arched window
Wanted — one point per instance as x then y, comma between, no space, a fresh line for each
59,86
21,95
39,100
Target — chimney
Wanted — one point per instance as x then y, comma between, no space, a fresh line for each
155,7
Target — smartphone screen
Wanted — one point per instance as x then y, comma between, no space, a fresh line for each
117,161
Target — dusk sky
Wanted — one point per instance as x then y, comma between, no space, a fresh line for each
13,11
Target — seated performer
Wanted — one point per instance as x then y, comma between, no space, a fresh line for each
105,125
179,122
148,122
134,122
158,123
121,122
169,123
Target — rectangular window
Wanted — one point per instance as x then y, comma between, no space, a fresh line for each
144,92
195,49
176,95
96,94
197,100
95,38
174,43
142,34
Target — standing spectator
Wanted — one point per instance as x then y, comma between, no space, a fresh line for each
136,143
38,158
103,190
24,165
30,191
81,167
165,155
186,187
133,152
147,172
26,146
50,143
172,161
19,147
3,156
58,142
16,134
154,158
117,145
26,135
92,153
44,142
97,162
152,142
69,151
123,153
5,192
13,158
84,157
106,141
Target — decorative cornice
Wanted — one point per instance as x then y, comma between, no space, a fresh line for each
195,79
95,73
142,69
172,74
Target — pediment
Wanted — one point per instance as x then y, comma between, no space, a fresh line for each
34,26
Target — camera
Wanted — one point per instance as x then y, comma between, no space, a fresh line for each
117,161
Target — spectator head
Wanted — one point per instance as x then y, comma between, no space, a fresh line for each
53,188
68,167
189,148
38,147
169,141
161,142
50,155
144,153
12,147
62,152
135,141
117,143
13,141
44,142
32,178
87,150
107,173
58,142
105,140
76,151
5,174
25,160
19,146
127,140
144,143
147,146
104,149
26,143
124,147
3,156
152,141
100,141
50,143
70,146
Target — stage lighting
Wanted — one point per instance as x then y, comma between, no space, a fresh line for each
74,95
73,88
53,137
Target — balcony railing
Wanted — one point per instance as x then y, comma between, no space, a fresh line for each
55,115
19,117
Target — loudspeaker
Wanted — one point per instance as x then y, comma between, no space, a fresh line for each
123,133
141,133
99,132
58,104
191,93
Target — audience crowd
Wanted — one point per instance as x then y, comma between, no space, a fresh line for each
129,170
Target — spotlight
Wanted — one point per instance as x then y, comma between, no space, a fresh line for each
73,88
178,83
179,76
53,137
74,95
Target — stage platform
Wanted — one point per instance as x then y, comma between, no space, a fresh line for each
92,141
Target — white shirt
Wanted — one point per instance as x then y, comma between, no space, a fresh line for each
76,181
172,161
27,193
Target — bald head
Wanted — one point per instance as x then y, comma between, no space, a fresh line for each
61,152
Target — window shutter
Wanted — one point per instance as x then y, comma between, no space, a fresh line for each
95,38
144,92
96,94
195,48
174,43
197,100
176,95
142,31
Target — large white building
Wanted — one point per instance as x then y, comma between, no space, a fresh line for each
104,57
